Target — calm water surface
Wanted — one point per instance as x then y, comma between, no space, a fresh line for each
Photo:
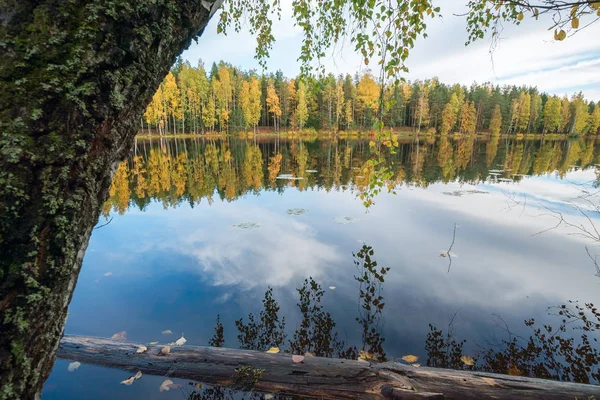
173,255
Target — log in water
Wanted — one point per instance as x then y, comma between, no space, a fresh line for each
317,377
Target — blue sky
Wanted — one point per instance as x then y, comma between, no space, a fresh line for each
526,54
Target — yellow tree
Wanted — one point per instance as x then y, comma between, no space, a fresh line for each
496,121
367,95
273,102
339,101
566,114
552,115
524,111
291,85
449,115
301,107
580,114
244,97
208,115
255,103
468,122
594,120
223,90
155,112
172,99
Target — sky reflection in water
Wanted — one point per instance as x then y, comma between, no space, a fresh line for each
177,268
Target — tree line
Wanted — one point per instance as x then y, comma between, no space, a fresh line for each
226,99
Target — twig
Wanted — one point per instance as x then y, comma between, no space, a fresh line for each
450,248
109,221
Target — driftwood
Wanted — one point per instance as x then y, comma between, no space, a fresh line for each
318,377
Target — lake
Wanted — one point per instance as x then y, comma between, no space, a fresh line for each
202,227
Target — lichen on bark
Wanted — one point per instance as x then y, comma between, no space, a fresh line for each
75,76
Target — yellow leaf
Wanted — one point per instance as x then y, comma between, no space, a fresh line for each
595,6
520,16
514,371
308,354
138,375
366,356
575,23
562,35
556,35
490,381
219,29
273,350
165,350
536,12
574,10
442,254
372,143
467,360
128,381
366,61
410,358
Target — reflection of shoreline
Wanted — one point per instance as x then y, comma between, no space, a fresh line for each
177,170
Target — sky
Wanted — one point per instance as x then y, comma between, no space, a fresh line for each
526,54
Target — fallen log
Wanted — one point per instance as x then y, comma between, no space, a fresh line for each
316,377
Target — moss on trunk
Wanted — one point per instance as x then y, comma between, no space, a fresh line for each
75,76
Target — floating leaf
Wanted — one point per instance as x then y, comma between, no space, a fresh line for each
108,274
308,354
248,225
73,366
138,375
467,360
416,365
128,381
153,343
297,359
273,350
296,211
166,385
141,349
268,396
167,332
311,171
331,287
165,350
410,358
345,220
119,336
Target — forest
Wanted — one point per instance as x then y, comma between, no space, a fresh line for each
227,99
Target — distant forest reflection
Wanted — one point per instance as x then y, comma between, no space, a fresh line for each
173,171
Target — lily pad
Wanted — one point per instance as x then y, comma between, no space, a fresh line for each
345,220
296,211
247,225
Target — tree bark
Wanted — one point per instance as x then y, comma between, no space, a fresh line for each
76,76
316,377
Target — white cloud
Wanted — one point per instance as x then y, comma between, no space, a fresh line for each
526,54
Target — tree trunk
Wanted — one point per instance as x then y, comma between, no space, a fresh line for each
316,377
76,77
